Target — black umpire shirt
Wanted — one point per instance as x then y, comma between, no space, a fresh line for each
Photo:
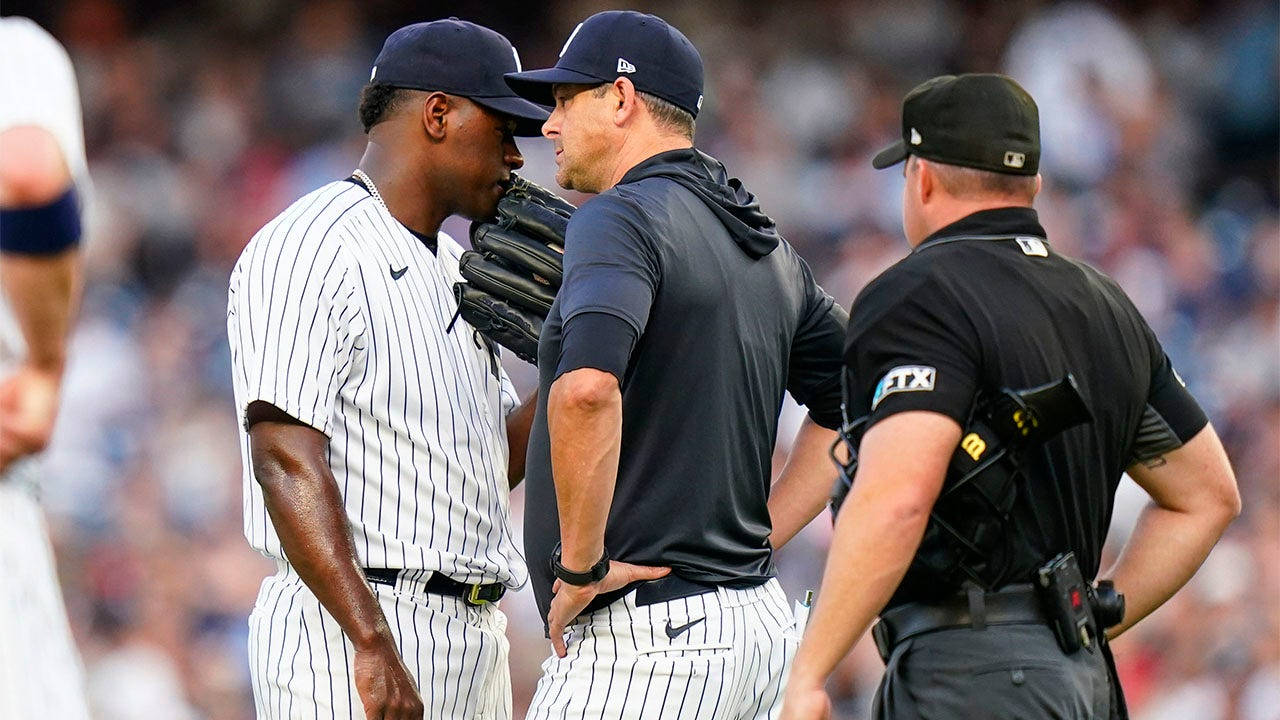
679,285
984,304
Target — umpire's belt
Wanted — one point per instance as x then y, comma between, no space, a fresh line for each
443,585
1013,605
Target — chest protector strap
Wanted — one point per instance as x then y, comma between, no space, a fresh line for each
967,536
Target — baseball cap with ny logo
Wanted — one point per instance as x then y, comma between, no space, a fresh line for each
460,58
657,58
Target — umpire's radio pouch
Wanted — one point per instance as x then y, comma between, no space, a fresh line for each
1065,597
966,537
1077,611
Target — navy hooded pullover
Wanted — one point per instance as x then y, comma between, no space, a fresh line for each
677,283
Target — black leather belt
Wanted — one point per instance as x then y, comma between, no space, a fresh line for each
1013,605
675,587
438,584
665,589
671,587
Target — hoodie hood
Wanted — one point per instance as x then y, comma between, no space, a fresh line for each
754,232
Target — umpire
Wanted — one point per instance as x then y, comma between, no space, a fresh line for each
1004,390
682,320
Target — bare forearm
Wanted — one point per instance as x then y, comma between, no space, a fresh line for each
519,422
586,438
1160,557
43,292
307,512
902,462
805,484
869,555
1194,499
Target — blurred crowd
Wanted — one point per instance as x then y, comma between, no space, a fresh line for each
203,120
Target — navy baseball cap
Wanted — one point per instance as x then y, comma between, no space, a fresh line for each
459,58
657,58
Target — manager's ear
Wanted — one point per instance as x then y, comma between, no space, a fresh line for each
435,110
626,103
926,179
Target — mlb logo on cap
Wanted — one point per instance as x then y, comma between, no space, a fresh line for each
657,58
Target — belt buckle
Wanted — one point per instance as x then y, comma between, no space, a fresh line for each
478,595
884,643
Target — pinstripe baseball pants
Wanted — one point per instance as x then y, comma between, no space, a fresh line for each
300,660
40,671
723,654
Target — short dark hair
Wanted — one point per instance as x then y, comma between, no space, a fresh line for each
377,101
665,114
668,115
967,182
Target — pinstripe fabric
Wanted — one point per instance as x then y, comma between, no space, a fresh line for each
40,670
300,661
415,415
38,84
621,664
337,315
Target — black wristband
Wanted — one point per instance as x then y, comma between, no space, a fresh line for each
593,575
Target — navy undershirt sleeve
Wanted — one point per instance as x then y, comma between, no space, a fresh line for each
596,340
813,375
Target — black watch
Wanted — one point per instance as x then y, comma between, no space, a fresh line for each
593,575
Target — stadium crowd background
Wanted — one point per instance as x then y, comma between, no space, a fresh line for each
205,119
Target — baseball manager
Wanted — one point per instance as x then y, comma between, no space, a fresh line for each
682,319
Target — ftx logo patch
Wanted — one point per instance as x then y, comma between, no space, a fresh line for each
904,378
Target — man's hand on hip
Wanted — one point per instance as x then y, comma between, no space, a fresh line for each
570,600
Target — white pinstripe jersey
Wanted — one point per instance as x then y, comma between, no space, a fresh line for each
39,665
38,85
326,324
37,88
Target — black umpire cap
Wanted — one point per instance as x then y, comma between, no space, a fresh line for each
980,121
459,58
657,58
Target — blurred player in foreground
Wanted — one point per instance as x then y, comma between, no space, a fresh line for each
42,175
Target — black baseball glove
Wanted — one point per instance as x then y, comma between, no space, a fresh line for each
515,266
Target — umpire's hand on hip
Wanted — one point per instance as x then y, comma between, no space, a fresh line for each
570,600
383,682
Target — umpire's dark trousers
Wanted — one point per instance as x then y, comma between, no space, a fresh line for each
1003,672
